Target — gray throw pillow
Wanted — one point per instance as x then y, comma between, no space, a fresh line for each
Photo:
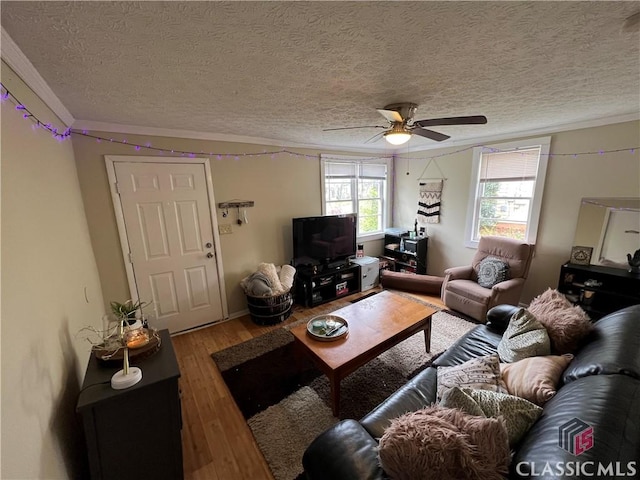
524,337
492,270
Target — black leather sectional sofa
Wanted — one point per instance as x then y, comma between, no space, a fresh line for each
600,387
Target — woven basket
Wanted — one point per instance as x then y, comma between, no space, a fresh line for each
270,310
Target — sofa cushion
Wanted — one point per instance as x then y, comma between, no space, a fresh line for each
491,271
482,373
499,316
518,414
442,443
535,378
608,404
612,347
524,337
417,393
478,342
566,324
330,457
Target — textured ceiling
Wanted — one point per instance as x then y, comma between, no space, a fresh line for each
287,70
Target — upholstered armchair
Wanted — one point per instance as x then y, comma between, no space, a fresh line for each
461,290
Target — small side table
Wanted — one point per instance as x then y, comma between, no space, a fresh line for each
134,433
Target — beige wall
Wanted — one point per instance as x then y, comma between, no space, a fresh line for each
286,186
54,258
282,187
568,180
50,290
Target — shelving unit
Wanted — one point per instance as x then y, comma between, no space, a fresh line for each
315,287
599,290
405,254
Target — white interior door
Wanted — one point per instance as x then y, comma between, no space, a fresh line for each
169,230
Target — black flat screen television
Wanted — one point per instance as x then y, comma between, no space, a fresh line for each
324,240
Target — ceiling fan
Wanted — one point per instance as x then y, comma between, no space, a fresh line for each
402,126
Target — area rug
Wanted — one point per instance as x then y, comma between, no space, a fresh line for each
286,400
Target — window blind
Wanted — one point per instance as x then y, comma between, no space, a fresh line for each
516,165
350,170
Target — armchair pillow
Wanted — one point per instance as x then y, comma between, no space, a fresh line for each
524,337
444,444
491,271
566,324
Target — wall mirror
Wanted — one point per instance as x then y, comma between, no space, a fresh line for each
611,228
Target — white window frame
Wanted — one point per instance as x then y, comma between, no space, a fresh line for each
387,200
536,202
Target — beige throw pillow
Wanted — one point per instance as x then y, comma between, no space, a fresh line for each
535,379
482,373
566,324
444,444
524,337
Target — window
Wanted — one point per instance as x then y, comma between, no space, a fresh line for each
359,186
506,190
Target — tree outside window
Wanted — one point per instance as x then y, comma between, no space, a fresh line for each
506,190
357,186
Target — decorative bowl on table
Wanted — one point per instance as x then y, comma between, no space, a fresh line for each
327,328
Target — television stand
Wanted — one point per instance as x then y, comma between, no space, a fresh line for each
337,265
324,286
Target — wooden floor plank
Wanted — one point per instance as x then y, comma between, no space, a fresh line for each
216,440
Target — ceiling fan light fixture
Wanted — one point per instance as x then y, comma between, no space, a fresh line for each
397,135
397,138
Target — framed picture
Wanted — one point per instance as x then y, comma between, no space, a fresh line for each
581,255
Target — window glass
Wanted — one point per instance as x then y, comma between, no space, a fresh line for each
361,186
506,190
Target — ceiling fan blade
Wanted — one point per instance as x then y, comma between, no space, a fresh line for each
352,128
472,120
423,132
391,115
376,137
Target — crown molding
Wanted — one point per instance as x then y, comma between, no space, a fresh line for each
198,135
21,65
218,137
564,127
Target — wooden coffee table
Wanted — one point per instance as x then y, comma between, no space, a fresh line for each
376,324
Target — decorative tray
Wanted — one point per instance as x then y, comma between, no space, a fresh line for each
116,354
327,328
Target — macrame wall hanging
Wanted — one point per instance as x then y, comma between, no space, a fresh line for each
429,197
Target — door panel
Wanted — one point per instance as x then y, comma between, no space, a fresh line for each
153,231
168,222
196,287
188,227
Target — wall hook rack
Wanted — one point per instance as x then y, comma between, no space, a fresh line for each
238,204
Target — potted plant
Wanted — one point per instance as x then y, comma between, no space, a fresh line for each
126,312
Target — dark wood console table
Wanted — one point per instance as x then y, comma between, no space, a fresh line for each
134,433
599,290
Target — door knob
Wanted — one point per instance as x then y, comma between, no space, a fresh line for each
209,255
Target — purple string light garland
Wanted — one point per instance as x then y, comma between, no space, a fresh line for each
5,94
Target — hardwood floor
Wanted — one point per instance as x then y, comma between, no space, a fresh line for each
216,441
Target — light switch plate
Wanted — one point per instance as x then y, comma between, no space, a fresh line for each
225,229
